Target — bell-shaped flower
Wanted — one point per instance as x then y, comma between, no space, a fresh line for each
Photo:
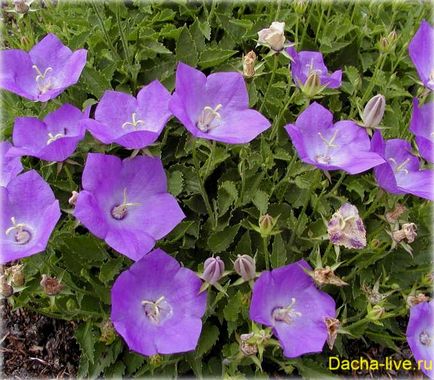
421,51
420,336
29,213
131,122
53,139
401,173
287,300
157,306
328,146
346,228
273,37
10,167
308,68
126,203
421,125
42,73
215,107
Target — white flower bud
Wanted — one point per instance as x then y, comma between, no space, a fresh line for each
213,269
245,266
273,37
374,111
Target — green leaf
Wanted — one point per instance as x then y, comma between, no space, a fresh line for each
208,339
221,240
205,29
278,253
233,307
110,269
94,82
260,200
226,196
186,50
175,183
214,56
86,339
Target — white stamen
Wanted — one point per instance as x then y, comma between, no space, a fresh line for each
54,137
401,167
158,310
134,123
208,116
119,212
329,143
286,314
44,84
22,234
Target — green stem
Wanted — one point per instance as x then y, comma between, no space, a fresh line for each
121,33
380,62
281,112
338,183
273,73
266,253
104,30
320,22
305,26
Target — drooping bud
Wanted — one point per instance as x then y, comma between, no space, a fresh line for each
393,216
324,276
108,334
6,290
245,266
312,86
17,275
374,111
407,232
273,37
333,325
413,299
51,285
249,61
73,200
213,269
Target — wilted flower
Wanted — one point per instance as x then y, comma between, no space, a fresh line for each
6,290
73,198
273,37
246,347
393,216
413,299
326,276
44,72
126,203
213,269
421,52
134,122
346,228
245,266
287,300
400,174
329,146
157,307
21,6
310,73
51,285
420,335
375,312
374,111
421,125
10,166
215,107
17,274
30,213
249,64
333,325
53,139
407,232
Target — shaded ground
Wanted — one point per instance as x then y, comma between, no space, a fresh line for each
37,346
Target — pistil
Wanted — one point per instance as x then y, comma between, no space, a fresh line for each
286,314
401,167
120,211
54,137
157,311
209,116
44,83
22,233
133,123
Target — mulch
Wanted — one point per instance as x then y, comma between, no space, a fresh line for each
33,345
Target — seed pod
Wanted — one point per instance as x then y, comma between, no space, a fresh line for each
245,266
249,64
213,269
374,111
51,285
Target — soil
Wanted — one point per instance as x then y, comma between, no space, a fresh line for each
37,346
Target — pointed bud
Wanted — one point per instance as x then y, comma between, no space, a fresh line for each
73,200
245,266
51,285
312,86
300,6
333,325
376,313
407,232
5,289
249,61
213,269
374,111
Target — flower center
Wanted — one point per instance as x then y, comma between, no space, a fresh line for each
120,211
401,167
54,137
209,118
325,158
425,338
22,234
157,311
133,123
285,314
43,83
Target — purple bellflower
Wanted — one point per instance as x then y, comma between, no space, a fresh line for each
308,63
131,122
29,214
287,300
421,51
421,125
42,73
126,203
400,174
157,306
420,336
10,166
328,146
215,107
53,139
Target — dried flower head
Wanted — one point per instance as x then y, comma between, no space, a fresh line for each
249,61
273,37
51,285
407,233
6,289
414,299
73,199
333,325
393,216
324,276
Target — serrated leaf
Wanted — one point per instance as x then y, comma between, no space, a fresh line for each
110,269
94,82
205,29
221,240
208,339
260,200
214,56
233,307
175,183
87,340
226,196
186,50
278,253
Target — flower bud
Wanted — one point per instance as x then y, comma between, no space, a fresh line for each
73,200
273,37
388,43
51,285
374,111
300,6
393,216
407,232
333,325
245,266
213,269
312,86
266,225
249,64
248,345
6,290
416,299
